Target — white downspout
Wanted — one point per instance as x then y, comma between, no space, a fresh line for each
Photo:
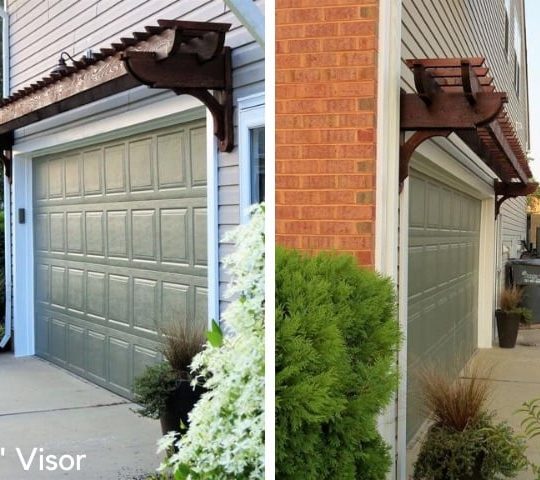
251,17
7,190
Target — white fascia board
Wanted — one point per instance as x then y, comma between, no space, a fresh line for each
250,16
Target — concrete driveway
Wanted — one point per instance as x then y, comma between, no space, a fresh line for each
54,425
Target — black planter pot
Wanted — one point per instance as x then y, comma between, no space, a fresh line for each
178,406
507,326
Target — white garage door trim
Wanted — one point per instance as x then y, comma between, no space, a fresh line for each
99,130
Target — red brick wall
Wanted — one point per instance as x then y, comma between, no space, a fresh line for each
326,55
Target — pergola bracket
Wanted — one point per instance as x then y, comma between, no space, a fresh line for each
194,68
506,191
407,148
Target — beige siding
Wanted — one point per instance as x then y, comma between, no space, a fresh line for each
438,28
78,25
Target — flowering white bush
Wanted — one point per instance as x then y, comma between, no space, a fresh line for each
225,439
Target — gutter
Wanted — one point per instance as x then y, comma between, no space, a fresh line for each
7,192
250,16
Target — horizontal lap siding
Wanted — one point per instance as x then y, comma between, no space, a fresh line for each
76,26
437,28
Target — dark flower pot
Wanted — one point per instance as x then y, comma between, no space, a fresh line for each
507,326
178,406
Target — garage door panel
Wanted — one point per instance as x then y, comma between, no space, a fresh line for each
120,364
198,146
141,165
443,279
75,232
143,224
92,172
57,340
174,226
172,160
120,251
42,333
175,301
115,169
201,305
73,176
119,297
76,289
142,358
145,304
57,232
117,233
76,350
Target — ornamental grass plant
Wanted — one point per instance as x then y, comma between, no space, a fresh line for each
464,441
181,344
455,403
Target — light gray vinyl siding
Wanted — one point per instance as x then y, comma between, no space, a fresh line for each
75,26
439,29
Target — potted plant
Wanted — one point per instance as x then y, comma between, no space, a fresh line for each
165,390
465,442
510,315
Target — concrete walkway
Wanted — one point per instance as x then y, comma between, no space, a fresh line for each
516,379
45,407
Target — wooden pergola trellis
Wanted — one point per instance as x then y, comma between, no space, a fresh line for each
457,95
185,57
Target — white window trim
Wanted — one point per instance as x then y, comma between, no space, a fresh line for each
250,115
137,119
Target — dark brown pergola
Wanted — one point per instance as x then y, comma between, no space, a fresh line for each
186,57
457,95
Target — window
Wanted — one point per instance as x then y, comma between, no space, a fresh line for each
517,54
251,142
506,27
256,164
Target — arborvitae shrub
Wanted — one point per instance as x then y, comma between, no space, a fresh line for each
336,344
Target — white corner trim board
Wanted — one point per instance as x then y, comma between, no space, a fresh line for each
7,190
387,194
212,157
23,257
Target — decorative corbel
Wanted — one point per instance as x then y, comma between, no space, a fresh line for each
196,63
407,148
505,191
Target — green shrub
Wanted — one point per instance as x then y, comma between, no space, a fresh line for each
483,450
153,388
336,344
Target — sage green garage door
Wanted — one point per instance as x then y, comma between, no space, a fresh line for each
120,251
444,231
